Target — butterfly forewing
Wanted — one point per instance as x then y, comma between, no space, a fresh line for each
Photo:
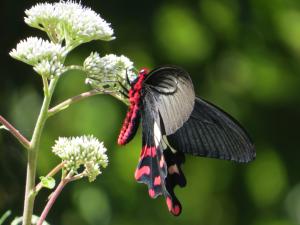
174,95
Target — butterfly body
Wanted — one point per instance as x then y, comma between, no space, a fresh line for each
176,122
132,119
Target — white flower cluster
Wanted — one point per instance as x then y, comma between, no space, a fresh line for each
105,72
69,20
86,151
32,50
44,55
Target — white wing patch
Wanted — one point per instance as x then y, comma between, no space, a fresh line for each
161,139
157,134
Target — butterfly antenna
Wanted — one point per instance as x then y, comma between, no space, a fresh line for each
127,77
123,86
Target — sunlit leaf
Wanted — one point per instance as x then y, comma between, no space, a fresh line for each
48,182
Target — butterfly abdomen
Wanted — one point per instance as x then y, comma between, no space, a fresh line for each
132,120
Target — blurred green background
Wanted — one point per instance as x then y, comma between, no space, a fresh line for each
243,55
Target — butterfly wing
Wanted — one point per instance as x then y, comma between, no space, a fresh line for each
211,132
158,167
174,122
174,95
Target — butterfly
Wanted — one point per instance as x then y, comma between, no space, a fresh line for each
175,122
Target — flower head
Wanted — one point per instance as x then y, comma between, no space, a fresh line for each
84,151
33,50
44,55
105,72
69,20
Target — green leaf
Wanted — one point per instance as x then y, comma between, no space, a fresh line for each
48,182
4,216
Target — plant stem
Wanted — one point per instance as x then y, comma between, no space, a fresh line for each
52,199
74,67
65,104
15,133
33,154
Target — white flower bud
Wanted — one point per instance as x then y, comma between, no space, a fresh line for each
49,68
84,151
105,72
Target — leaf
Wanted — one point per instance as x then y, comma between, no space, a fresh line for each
3,127
47,182
4,216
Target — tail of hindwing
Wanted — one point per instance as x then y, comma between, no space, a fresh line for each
160,168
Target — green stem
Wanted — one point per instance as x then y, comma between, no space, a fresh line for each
65,104
74,67
33,154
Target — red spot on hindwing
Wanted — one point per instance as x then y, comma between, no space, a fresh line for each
169,203
145,170
151,193
157,180
148,151
173,208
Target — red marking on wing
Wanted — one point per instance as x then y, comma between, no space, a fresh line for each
148,152
157,180
174,209
132,117
169,203
145,170
151,193
162,162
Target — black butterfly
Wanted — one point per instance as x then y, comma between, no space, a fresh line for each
174,122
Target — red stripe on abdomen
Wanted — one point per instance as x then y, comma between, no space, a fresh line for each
130,125
132,119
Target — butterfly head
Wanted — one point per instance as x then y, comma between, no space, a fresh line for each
144,72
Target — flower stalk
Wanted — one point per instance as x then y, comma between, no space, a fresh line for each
65,104
15,132
33,154
53,197
67,24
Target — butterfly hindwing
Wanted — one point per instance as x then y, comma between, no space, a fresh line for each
211,132
159,166
152,169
